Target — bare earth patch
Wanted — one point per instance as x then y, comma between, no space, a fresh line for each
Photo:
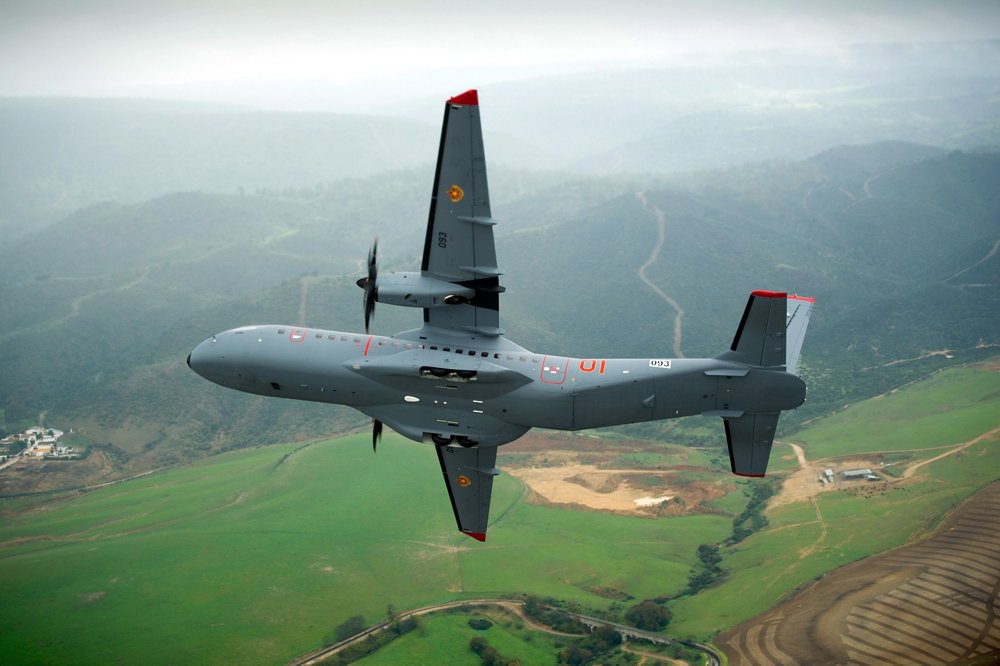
623,491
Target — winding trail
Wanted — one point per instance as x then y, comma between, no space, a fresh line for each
912,469
989,255
661,224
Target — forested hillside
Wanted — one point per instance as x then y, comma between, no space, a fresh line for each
894,240
130,231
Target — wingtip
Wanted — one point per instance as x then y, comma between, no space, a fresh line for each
478,536
468,98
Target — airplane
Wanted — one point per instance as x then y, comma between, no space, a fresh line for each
459,384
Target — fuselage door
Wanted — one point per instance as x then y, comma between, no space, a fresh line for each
554,369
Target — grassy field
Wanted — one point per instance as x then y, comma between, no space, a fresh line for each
444,639
950,408
256,556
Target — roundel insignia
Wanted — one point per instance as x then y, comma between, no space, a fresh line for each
464,481
456,193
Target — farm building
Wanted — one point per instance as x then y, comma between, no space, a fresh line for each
866,474
855,473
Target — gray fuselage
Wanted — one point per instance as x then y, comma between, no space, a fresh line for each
488,391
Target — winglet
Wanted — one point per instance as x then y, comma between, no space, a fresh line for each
478,536
468,98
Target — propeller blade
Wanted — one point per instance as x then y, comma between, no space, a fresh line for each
376,433
369,283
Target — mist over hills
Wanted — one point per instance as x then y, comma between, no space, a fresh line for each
894,240
706,112
127,239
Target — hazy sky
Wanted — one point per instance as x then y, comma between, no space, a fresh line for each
250,51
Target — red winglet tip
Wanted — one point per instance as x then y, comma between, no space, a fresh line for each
468,98
768,294
478,536
751,476
802,298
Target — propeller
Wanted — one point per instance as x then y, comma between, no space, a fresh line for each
376,433
369,284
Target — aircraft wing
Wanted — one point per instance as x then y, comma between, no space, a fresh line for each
459,244
469,475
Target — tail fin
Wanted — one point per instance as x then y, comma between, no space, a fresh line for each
770,336
771,331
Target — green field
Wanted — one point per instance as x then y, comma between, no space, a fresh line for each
444,639
255,556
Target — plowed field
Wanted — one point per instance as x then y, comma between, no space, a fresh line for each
933,602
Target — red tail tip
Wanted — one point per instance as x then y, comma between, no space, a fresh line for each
478,536
768,294
468,98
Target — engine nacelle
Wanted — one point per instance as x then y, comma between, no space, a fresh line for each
419,291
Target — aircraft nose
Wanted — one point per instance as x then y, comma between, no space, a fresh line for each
200,359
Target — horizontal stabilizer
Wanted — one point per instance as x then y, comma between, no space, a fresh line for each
799,309
750,437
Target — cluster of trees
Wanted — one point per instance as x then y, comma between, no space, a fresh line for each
356,624
600,641
752,518
706,570
489,654
544,612
648,615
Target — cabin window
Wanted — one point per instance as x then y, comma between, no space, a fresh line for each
458,351
281,331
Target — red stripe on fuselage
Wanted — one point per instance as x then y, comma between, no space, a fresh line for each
368,344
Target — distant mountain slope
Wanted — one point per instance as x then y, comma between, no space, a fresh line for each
796,123
61,154
897,242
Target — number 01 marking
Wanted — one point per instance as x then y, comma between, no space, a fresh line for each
590,364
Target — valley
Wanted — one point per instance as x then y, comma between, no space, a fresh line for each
268,555
636,211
